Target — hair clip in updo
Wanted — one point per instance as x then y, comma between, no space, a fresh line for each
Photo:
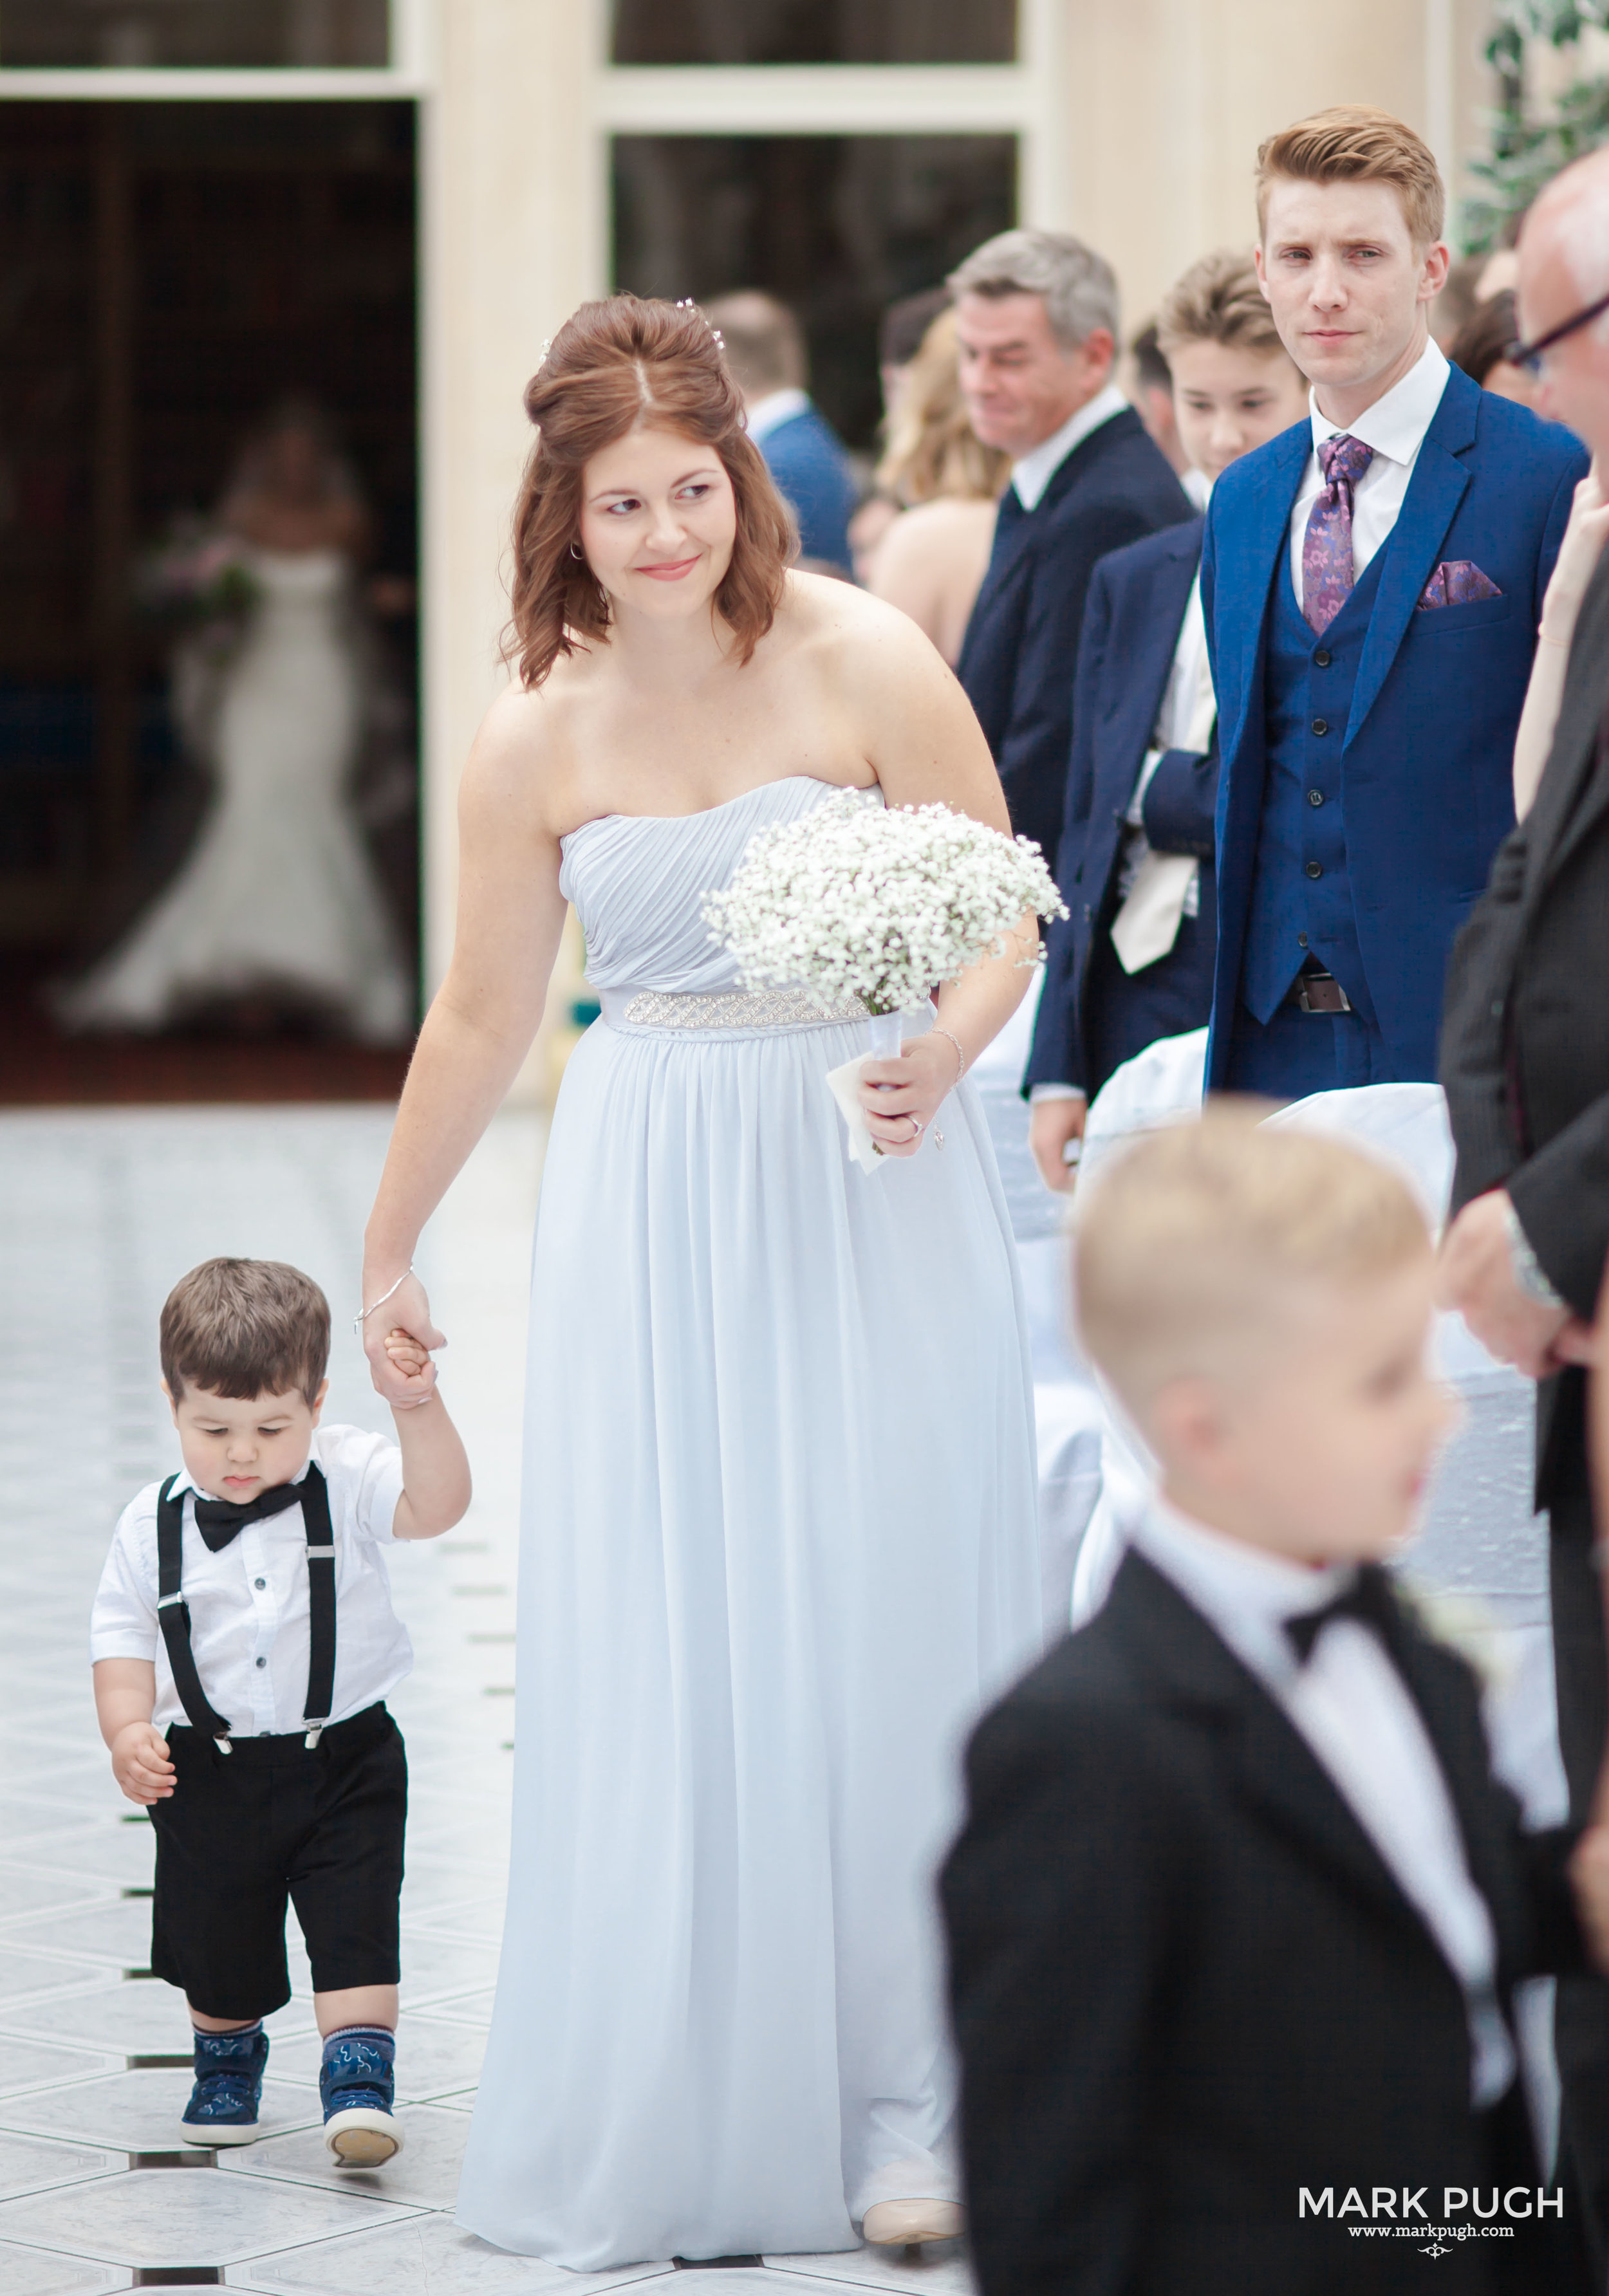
686,303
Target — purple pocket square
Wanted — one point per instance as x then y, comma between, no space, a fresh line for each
1457,582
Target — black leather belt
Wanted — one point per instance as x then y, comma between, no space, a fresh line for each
1318,991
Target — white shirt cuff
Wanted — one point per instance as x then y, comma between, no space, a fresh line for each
1135,814
1039,1092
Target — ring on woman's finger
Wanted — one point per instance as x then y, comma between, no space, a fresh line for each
915,1124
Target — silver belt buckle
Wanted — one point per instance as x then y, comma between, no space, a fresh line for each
1305,981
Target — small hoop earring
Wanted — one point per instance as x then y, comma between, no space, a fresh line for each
575,550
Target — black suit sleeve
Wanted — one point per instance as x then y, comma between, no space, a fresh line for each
1056,1899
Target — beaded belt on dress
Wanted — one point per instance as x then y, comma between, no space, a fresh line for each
726,1008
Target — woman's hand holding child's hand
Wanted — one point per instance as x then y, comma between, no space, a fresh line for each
140,1763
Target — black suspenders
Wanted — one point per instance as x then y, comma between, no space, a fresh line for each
173,1612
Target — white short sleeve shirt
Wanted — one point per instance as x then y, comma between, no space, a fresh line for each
249,1624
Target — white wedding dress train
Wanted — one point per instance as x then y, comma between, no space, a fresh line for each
278,893
779,1548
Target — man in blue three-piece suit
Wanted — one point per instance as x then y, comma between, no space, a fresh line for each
1372,583
1133,960
1036,330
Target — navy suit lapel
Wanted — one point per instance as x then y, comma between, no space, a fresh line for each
1248,552
1414,546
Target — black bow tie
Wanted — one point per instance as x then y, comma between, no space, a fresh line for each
1369,1600
219,1520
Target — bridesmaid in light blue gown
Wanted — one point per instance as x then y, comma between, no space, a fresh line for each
779,1539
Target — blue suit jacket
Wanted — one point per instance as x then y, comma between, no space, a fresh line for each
1021,643
1131,624
810,465
1427,759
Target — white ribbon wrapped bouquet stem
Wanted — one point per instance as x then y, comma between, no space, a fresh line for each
858,900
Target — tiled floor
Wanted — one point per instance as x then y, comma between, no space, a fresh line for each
102,1211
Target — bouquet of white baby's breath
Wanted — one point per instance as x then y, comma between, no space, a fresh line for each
857,899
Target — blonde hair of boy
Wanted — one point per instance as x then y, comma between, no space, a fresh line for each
1218,302
1195,1247
1358,143
932,449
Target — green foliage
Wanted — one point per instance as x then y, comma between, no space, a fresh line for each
1530,147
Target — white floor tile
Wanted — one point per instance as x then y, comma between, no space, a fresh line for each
26,2272
140,2111
132,2019
27,2165
939,2270
26,1891
431,2257
425,2172
35,2064
24,1973
118,1932
187,2217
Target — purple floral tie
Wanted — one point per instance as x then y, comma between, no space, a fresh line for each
1326,547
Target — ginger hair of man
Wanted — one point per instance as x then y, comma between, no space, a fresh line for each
1199,1249
1358,143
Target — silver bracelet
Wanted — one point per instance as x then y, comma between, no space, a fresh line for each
960,1055
362,1317
1528,1272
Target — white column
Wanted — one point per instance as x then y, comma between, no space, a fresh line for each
513,240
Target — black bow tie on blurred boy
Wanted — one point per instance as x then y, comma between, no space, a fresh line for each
1369,1599
219,1520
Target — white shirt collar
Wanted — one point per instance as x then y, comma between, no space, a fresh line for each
1395,425
776,407
1245,1592
1035,472
187,1483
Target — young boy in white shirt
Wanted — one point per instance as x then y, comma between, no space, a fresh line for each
1238,1909
243,1643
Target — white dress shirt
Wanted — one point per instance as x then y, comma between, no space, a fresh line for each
775,408
248,1626
1394,426
1354,1709
1032,476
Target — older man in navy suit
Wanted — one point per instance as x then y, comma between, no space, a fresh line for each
1134,960
1036,330
1372,583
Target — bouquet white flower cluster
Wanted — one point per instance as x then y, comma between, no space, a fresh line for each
858,900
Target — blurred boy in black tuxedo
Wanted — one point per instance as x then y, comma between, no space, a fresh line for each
1238,1907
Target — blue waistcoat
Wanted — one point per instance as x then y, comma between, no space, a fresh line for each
1300,884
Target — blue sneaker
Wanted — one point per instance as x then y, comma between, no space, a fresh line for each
228,2088
357,2086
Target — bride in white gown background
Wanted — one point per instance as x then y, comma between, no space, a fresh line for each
277,899
779,1539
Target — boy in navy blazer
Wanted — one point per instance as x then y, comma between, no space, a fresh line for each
1134,960
1372,583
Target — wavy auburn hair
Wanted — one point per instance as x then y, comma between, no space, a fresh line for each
614,367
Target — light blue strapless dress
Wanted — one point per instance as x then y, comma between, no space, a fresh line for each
779,1547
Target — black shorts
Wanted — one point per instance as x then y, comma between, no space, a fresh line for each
242,1832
